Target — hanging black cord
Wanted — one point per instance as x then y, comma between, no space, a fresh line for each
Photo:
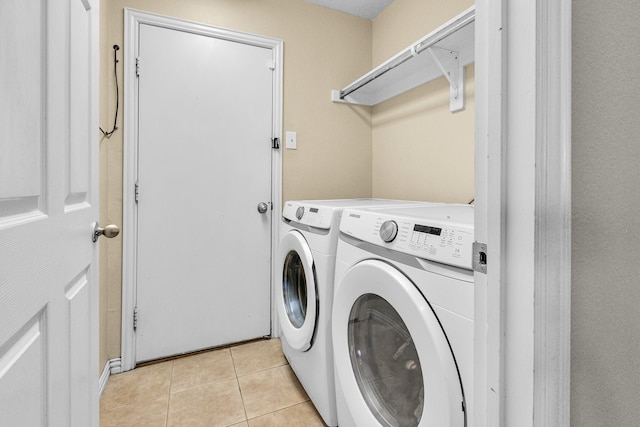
115,73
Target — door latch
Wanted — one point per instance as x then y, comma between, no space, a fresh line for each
480,257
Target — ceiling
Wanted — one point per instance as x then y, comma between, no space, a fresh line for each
364,8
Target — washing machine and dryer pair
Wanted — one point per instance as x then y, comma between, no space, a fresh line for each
402,324
304,298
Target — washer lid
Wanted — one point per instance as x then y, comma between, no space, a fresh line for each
297,293
391,355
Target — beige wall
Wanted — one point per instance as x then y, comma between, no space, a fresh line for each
421,151
605,337
323,50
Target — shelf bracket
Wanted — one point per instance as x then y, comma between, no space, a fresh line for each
449,63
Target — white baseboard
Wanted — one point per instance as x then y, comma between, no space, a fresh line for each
113,366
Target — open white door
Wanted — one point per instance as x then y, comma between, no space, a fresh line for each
48,206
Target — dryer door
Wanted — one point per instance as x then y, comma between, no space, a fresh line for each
393,361
296,297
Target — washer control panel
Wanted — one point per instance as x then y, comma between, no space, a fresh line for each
438,233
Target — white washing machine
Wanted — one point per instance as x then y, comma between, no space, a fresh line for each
402,322
304,297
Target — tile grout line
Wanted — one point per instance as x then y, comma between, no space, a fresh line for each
166,419
281,409
244,408
262,370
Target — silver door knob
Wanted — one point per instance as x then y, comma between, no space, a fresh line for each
262,207
110,231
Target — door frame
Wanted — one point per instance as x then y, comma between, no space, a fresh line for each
132,21
523,213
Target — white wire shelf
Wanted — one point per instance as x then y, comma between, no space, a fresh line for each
443,52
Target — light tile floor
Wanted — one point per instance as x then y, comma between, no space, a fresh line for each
248,385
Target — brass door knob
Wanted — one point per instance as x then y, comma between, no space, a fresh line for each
110,231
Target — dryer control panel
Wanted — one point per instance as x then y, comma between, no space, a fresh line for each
438,233
308,214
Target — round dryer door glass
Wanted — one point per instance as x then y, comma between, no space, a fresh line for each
294,289
385,362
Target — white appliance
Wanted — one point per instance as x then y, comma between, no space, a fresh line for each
304,297
402,322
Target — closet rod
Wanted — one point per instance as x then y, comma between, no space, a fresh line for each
459,22
376,73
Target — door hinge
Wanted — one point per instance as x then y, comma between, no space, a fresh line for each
138,66
271,64
275,143
480,257
135,318
136,192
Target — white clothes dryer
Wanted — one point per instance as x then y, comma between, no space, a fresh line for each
304,297
402,322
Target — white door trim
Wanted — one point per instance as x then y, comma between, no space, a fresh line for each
133,19
552,292
523,212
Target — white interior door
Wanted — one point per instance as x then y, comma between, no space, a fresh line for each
205,108
48,203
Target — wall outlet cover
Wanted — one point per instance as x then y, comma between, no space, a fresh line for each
290,141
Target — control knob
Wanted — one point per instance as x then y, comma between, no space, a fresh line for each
388,231
300,212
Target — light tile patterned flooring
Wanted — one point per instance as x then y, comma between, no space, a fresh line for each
249,385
